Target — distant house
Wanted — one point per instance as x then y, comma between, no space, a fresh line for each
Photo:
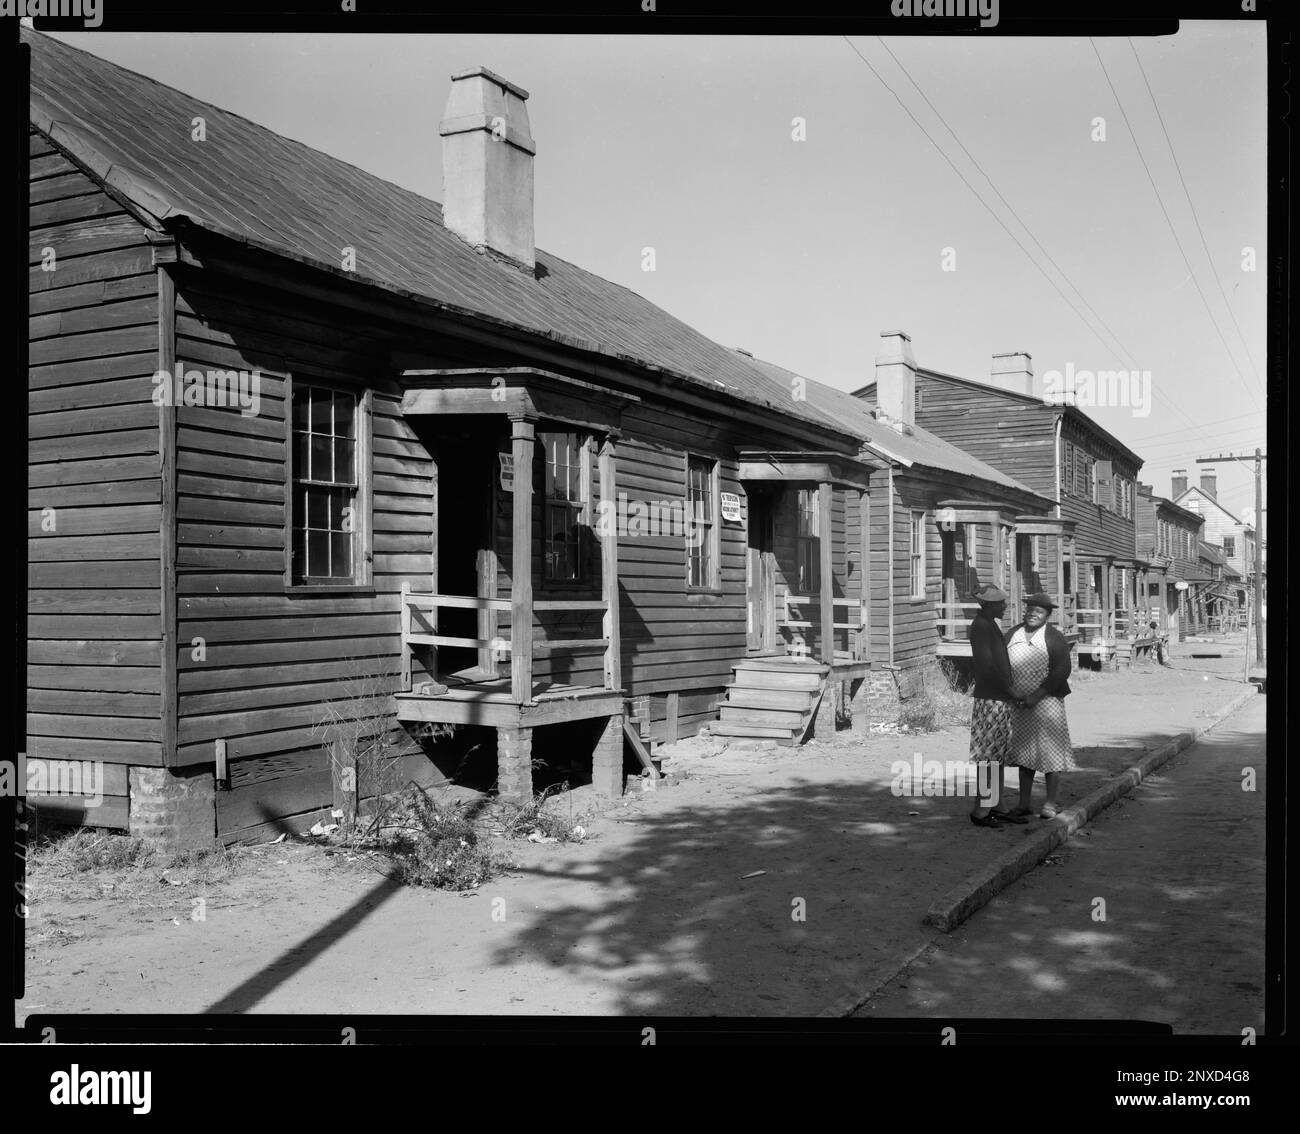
1168,539
1218,589
1058,451
1223,529
941,523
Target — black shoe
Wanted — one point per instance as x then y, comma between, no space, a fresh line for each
989,820
1008,816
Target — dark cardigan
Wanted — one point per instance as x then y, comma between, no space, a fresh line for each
988,650
1058,661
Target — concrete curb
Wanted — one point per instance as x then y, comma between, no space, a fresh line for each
974,891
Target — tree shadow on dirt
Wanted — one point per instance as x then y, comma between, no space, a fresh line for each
850,871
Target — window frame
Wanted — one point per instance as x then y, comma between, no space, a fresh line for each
808,543
712,558
588,578
917,553
362,581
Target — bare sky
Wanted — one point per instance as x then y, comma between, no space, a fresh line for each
802,252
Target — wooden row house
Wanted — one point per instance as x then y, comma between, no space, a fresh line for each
939,522
1089,563
1167,539
296,431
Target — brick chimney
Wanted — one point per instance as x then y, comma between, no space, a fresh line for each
1178,485
1013,371
1209,483
896,380
487,165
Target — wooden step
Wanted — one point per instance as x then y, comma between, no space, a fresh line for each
780,735
800,665
800,699
792,719
777,679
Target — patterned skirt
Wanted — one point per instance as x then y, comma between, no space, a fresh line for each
990,731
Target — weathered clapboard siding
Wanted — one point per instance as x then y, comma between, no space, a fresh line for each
94,497
271,658
1018,436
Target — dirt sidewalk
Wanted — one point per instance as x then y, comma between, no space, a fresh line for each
651,915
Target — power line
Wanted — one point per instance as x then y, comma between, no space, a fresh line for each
974,191
1166,432
1186,193
1165,212
1124,352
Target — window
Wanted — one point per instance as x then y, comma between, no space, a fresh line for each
1083,474
807,543
1229,546
702,533
328,505
566,493
918,555
1067,468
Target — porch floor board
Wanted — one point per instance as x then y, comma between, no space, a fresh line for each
482,700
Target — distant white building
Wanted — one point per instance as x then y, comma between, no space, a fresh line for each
1235,535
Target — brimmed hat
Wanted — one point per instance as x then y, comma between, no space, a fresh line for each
1040,598
989,593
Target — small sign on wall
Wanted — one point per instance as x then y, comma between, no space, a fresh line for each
730,506
507,471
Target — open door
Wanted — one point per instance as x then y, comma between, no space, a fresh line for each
760,575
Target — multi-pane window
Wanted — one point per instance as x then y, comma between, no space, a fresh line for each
1084,475
1067,468
565,492
1229,546
701,528
918,554
807,543
324,485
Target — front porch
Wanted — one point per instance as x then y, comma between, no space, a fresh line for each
487,537
985,543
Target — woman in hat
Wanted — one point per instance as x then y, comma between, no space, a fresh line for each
1040,735
990,719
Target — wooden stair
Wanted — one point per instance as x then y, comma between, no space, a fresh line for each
772,699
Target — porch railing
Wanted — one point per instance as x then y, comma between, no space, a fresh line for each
856,606
953,620
415,603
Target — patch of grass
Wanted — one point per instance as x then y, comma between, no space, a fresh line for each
85,849
207,865
437,845
519,821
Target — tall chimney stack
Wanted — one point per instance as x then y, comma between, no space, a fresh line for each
1209,482
487,165
1013,371
896,380
1178,484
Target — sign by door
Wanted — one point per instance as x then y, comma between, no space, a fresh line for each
507,472
730,506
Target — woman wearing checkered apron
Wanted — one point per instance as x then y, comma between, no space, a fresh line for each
1040,734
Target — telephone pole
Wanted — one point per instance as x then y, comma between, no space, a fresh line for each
1259,459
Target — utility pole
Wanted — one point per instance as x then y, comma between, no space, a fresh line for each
1259,459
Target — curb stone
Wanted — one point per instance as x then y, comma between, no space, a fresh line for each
949,911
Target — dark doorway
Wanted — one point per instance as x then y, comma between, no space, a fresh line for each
467,471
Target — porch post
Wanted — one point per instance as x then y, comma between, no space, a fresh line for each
825,542
864,578
521,573
1015,590
609,564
